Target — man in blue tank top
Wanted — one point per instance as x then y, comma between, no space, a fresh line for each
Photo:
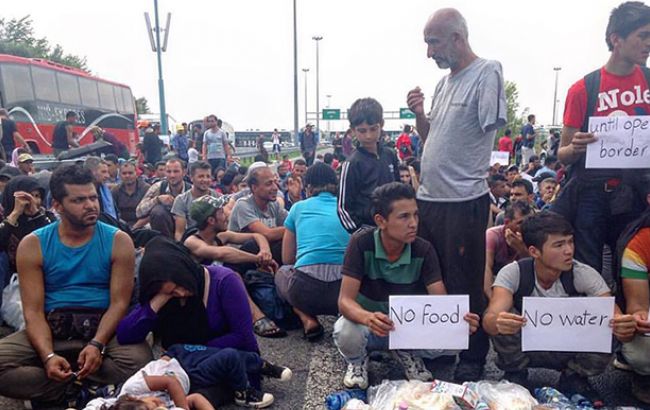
76,280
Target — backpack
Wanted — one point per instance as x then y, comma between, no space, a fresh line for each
261,288
527,282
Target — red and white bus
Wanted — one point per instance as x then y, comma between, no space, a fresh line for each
38,93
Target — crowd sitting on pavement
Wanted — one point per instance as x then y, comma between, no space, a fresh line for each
197,254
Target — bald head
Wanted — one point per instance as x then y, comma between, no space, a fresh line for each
446,36
450,21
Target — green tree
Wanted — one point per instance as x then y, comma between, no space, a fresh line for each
17,38
142,106
515,120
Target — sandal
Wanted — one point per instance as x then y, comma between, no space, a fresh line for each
315,334
265,327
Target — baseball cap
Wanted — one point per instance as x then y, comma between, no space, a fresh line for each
24,158
9,172
180,127
205,206
544,176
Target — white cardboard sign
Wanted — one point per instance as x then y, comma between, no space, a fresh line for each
579,324
623,142
501,157
429,322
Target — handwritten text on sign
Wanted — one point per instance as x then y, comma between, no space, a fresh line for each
429,322
579,324
499,157
623,142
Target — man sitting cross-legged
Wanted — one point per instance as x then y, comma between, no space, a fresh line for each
208,243
387,260
551,272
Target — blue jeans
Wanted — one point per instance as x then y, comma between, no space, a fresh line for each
594,224
354,341
210,366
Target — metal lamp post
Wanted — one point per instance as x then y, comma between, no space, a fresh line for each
317,39
305,70
557,72
158,49
295,73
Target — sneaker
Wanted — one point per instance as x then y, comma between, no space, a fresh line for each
620,363
253,398
413,366
641,388
356,376
572,383
468,371
276,372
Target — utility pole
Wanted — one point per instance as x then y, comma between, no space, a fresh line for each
557,72
295,74
158,49
317,39
305,70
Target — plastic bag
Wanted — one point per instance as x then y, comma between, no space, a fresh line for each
12,306
503,395
390,393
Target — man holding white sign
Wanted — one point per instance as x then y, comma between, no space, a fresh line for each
389,260
600,202
551,272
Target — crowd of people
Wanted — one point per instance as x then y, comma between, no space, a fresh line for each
205,254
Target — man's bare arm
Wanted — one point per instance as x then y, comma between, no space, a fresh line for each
121,286
32,292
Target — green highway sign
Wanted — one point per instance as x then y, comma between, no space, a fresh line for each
331,114
406,113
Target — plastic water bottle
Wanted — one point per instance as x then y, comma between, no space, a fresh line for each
582,402
549,395
336,401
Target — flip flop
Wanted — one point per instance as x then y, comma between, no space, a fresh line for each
265,327
315,334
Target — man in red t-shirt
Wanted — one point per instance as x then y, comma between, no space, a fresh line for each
505,142
600,202
403,144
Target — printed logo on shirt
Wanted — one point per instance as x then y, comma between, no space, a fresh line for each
613,99
194,348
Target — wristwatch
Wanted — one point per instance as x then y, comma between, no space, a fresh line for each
100,346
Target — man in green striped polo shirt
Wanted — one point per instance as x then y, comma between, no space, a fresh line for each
388,260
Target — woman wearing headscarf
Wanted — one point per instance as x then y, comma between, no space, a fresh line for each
22,203
183,302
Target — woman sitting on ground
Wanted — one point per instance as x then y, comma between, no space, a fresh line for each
314,242
183,302
22,203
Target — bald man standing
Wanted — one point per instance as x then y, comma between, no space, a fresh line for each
468,106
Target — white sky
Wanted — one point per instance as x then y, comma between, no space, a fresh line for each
234,58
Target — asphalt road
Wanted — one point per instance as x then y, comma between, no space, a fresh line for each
318,370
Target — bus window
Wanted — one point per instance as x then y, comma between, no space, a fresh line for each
45,84
106,97
16,83
119,98
129,104
68,89
89,95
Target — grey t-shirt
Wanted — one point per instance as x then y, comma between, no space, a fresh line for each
214,143
182,204
585,279
466,110
246,212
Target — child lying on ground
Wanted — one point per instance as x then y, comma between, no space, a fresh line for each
165,383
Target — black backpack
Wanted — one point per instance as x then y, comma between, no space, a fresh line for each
527,282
